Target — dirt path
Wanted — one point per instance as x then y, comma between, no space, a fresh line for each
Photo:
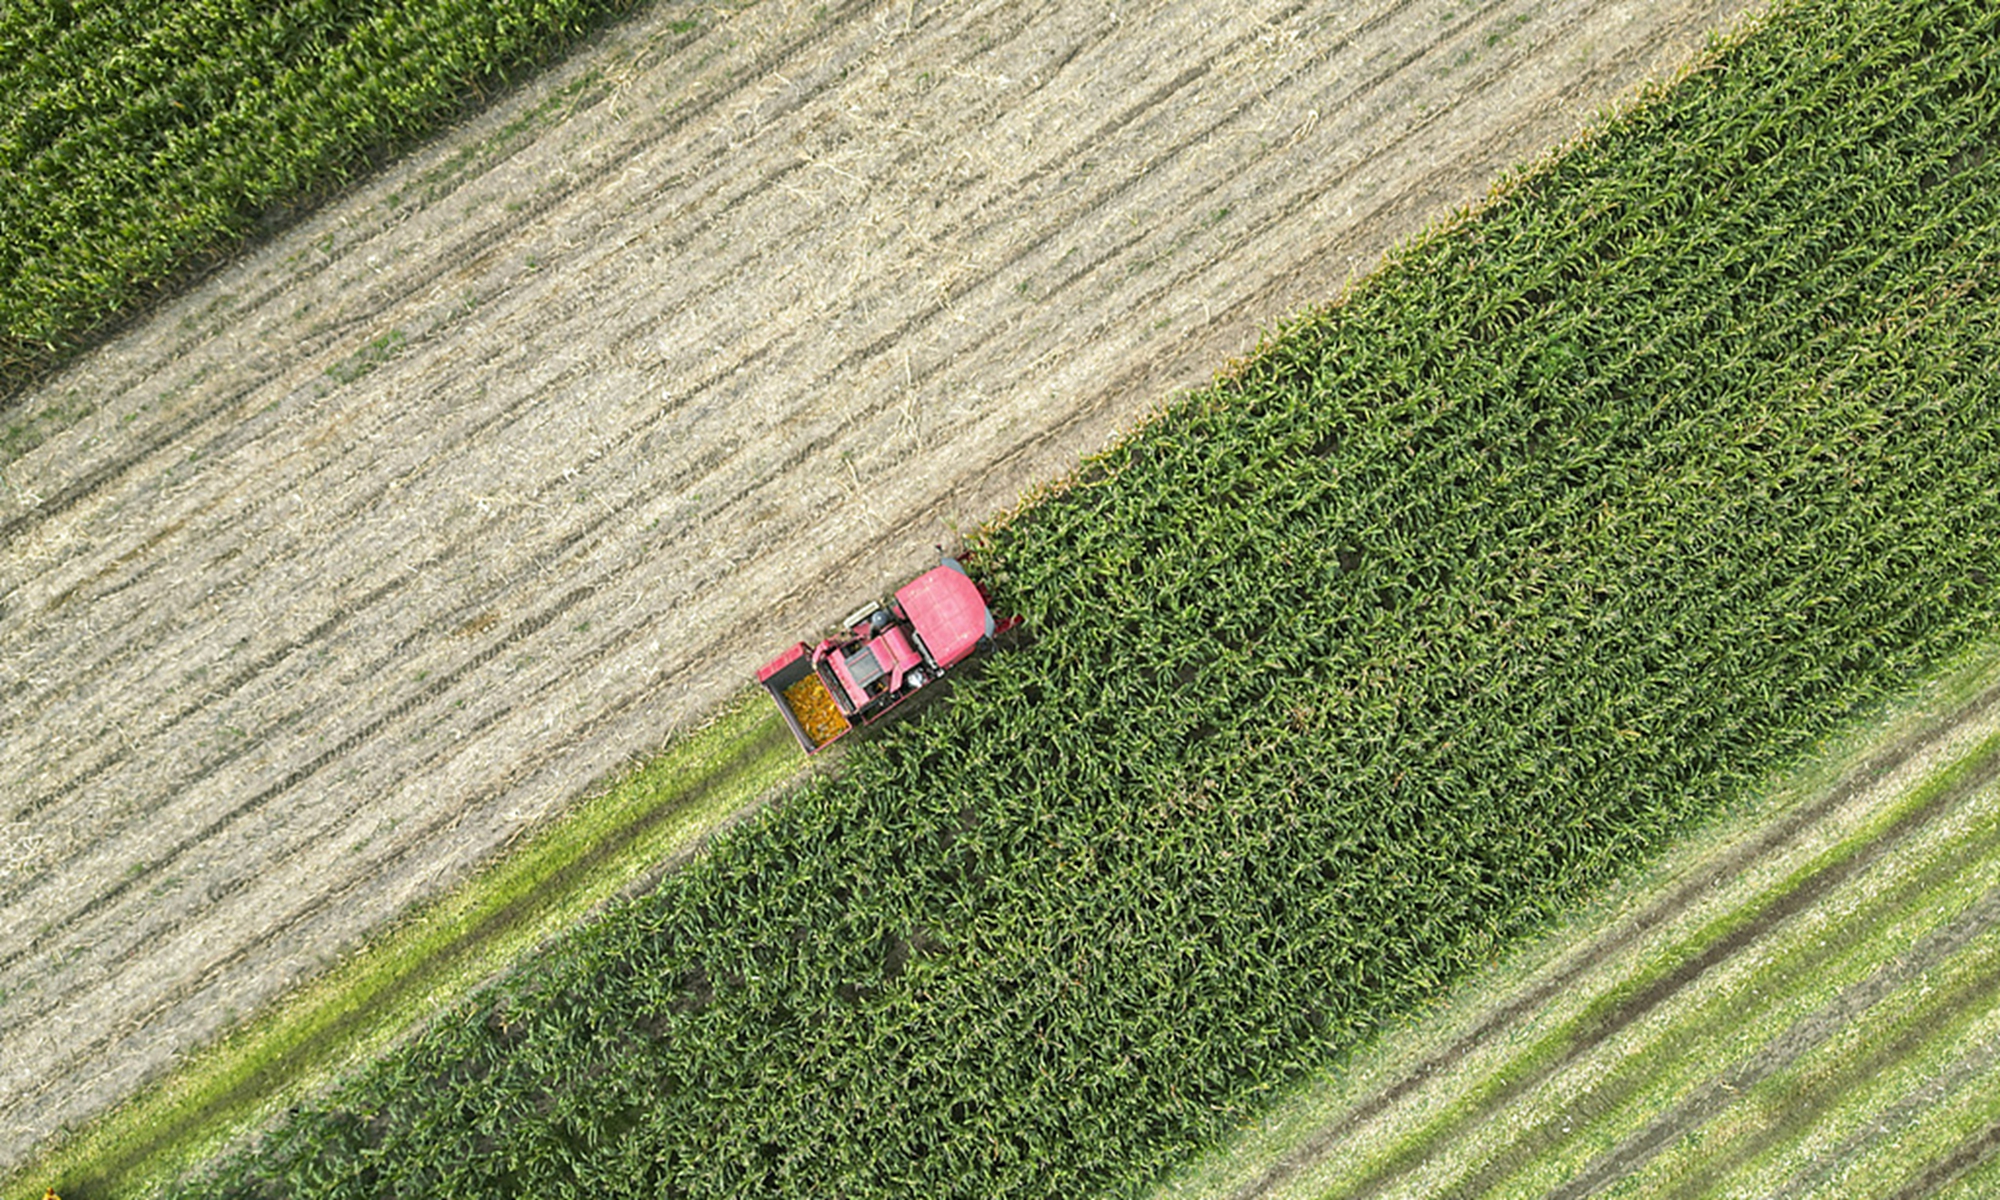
382,545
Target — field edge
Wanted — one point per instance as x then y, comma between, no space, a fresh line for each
616,841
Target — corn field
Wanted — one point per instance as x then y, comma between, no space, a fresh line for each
1453,602
140,141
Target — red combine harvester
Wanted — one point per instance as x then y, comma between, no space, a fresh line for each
935,622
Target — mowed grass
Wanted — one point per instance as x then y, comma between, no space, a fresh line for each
1837,1037
653,815
1799,1124
1753,1060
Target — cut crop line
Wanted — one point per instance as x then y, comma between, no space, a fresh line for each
372,993
410,839
883,344
1700,1107
608,167
680,240
908,329
1281,287
299,774
1271,218
526,403
269,661
565,544
1153,101
547,750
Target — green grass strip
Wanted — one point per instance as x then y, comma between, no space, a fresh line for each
1458,1043
654,814
1923,1092
1909,1037
1886,1100
1305,1145
1730,1031
1970,1169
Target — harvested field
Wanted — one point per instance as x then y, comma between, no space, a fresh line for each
324,583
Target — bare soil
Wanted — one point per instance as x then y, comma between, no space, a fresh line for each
382,545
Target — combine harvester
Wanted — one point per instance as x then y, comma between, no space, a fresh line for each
935,622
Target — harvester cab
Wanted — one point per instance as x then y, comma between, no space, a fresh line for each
885,654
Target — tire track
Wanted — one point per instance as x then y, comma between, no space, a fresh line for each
1976,993
1973,1069
1975,1151
1808,1034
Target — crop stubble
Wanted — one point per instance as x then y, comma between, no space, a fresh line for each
381,545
